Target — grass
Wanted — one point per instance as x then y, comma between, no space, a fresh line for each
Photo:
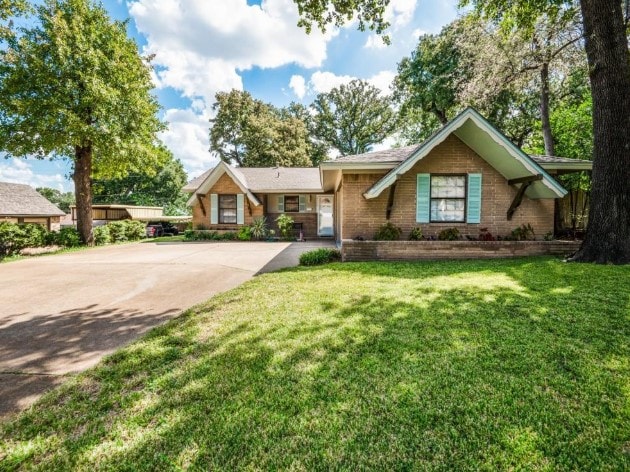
508,365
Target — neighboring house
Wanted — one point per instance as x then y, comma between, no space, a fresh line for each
102,214
23,204
467,175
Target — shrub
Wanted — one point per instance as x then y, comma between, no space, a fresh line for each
203,235
245,234
68,237
416,234
189,235
285,225
36,235
101,235
117,231
388,232
227,236
319,256
135,230
525,232
449,234
259,228
485,235
13,239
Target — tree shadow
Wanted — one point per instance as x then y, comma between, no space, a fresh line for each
515,369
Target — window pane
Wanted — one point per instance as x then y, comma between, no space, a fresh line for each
227,201
447,210
291,203
448,186
227,216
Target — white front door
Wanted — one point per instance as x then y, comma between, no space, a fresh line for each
325,221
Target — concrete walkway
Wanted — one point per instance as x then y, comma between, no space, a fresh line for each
61,314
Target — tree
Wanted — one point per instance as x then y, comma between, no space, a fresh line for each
251,133
158,186
607,51
74,86
353,117
9,9
63,200
368,13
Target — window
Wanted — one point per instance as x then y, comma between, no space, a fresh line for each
227,209
448,198
291,203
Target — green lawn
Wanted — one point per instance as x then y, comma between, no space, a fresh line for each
509,365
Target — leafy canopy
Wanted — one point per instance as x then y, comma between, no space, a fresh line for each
353,117
75,79
62,200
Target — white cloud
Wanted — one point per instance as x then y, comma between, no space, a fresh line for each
400,12
298,85
374,41
418,32
188,138
323,82
20,171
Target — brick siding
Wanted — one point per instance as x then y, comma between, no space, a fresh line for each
355,251
362,217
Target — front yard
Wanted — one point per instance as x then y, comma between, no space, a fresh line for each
511,364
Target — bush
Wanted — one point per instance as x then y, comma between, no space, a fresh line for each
68,237
13,239
319,256
36,235
245,234
117,231
525,232
227,236
259,228
101,235
388,232
285,225
449,234
416,234
135,230
485,235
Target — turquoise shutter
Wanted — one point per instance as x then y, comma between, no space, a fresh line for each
214,209
280,206
240,209
423,198
473,210
302,203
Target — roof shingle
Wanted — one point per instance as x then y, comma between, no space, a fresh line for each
24,200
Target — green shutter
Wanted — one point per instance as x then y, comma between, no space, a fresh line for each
280,206
423,198
214,209
240,209
302,203
473,210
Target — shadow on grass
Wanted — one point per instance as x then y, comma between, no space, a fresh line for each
448,366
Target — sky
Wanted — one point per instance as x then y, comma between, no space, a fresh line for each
202,47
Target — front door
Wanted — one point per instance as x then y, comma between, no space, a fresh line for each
325,225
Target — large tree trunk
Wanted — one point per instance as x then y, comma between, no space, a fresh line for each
83,191
608,233
544,110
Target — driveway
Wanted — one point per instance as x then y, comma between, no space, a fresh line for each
61,314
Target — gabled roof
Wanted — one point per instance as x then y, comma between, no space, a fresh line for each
215,174
24,200
261,179
490,144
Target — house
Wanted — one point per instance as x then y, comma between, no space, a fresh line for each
467,175
102,214
23,204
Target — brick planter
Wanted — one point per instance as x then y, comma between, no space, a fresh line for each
354,251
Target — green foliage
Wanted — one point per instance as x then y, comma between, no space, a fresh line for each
320,256
388,232
259,228
135,230
13,239
159,183
101,235
285,226
251,133
449,234
525,232
416,234
206,235
68,237
244,234
353,117
62,200
8,10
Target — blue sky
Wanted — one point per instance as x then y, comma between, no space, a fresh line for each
205,46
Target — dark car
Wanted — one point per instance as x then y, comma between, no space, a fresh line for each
155,229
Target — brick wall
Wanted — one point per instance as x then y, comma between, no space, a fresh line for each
362,217
355,251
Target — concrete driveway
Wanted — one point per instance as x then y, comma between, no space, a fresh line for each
61,314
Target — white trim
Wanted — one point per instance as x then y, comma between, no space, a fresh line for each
213,177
